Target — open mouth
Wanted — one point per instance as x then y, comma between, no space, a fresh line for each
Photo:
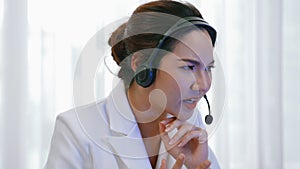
191,101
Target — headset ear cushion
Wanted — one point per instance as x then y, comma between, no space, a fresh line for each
145,76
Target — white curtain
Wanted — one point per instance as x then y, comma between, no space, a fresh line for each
257,45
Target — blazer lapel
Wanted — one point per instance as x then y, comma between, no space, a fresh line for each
125,140
163,154
130,152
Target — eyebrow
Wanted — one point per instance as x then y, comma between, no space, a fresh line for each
195,61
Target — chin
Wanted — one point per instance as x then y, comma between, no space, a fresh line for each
183,116
181,113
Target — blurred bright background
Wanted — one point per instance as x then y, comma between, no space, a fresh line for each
258,47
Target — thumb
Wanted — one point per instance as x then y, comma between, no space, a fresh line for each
204,165
172,149
163,164
163,134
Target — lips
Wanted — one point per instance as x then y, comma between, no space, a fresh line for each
191,103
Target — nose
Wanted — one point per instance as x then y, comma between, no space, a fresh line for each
202,81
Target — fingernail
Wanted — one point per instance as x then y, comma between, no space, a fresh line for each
160,126
207,162
181,157
163,122
179,145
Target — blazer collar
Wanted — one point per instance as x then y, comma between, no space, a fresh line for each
121,118
126,141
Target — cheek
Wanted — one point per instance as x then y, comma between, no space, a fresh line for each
169,85
175,92
175,86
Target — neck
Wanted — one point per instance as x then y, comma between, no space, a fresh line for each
151,138
147,104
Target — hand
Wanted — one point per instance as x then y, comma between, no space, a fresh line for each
189,140
180,161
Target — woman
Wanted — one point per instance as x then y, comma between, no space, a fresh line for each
149,120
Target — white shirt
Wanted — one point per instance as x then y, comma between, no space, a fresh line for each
105,135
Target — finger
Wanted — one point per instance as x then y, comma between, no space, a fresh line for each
183,130
164,135
168,120
173,125
200,135
179,162
172,149
204,165
163,164
203,136
188,137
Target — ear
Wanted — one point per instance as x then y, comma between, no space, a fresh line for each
136,60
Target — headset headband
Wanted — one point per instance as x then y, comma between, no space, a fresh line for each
182,23
146,73
190,21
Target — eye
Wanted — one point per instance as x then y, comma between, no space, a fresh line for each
209,68
188,67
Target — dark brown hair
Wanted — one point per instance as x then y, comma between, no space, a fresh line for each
144,29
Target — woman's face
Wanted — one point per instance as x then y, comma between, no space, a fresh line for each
184,75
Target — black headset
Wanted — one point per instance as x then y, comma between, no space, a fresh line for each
146,73
208,118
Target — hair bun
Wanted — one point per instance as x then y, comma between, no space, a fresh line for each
117,43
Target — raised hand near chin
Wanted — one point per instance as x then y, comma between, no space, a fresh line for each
189,141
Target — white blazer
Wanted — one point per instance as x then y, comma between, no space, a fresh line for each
104,135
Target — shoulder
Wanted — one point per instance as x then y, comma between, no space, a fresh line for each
88,111
74,135
80,121
71,116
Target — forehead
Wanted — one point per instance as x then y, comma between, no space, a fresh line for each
194,45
